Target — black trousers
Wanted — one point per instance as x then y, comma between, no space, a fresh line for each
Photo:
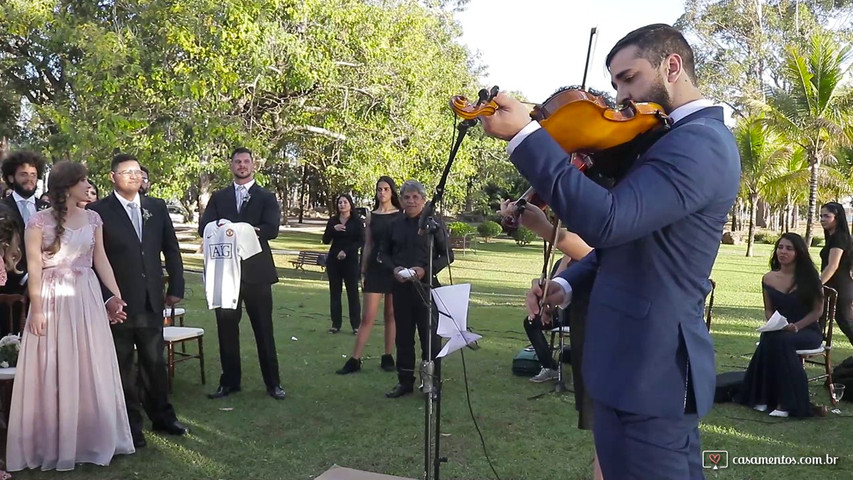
258,299
844,311
540,343
342,272
410,312
145,331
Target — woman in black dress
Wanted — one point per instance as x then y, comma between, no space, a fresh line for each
377,281
836,270
775,377
346,234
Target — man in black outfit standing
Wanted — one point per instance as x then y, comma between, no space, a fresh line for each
21,172
245,201
137,229
407,253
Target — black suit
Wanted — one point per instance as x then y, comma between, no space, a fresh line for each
139,275
13,283
262,212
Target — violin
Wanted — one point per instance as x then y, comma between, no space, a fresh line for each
584,125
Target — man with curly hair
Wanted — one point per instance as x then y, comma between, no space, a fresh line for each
21,171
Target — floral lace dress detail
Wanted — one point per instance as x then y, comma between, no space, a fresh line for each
67,402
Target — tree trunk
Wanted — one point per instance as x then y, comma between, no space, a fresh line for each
813,167
205,180
750,238
302,192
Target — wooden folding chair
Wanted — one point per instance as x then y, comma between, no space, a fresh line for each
179,334
830,298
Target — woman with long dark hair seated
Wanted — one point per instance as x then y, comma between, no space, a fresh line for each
775,377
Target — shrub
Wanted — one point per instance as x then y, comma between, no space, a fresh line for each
523,236
489,229
766,237
817,241
460,229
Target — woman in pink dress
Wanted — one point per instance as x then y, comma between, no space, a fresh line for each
67,402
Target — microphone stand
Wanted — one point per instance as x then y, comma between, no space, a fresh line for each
431,369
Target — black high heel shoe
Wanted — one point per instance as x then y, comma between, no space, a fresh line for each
353,365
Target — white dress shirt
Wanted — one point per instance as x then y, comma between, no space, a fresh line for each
125,202
238,196
30,205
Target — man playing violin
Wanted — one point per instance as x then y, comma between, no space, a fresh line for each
648,358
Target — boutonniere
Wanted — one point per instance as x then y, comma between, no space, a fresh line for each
43,207
247,198
145,214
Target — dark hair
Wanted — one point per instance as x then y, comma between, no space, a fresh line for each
395,198
97,192
349,199
655,42
121,158
806,278
842,230
63,176
19,158
142,167
242,150
10,239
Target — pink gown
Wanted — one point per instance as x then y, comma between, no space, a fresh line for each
67,401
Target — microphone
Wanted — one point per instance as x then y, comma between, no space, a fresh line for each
425,214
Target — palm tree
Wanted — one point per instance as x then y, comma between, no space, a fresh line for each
813,110
790,185
840,176
760,149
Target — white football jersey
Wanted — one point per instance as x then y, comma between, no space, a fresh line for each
225,245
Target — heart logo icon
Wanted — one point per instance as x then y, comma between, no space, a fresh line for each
714,457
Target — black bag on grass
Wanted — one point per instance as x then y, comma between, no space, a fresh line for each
843,374
728,385
525,362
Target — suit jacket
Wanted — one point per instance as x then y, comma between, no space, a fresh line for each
261,211
136,264
13,284
656,235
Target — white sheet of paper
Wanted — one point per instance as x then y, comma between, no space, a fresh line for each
452,305
776,322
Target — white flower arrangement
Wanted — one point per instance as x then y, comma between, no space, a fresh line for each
10,347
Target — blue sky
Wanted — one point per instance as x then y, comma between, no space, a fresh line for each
537,46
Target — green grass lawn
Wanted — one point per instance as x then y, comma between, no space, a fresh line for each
331,419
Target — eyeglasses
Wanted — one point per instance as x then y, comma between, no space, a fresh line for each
130,173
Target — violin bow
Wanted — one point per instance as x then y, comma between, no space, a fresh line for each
545,279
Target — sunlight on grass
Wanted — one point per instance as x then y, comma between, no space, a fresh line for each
329,418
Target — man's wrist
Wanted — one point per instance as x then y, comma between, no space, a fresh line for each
522,134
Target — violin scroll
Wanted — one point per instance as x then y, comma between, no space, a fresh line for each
485,106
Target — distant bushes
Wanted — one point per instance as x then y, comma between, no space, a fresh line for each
489,229
766,237
523,236
460,229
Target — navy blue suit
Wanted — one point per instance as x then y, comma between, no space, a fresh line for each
648,358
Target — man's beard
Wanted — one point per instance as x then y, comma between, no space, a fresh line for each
20,190
659,95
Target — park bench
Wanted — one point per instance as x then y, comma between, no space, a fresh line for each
309,258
